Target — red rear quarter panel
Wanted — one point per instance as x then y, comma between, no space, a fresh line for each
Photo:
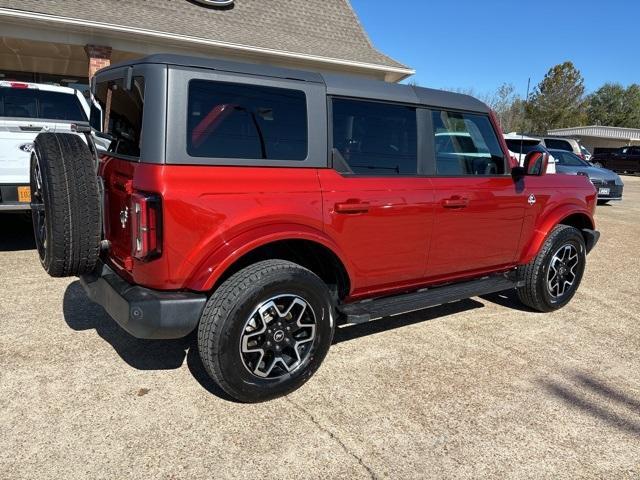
212,215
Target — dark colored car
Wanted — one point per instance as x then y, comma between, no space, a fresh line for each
625,159
263,207
608,183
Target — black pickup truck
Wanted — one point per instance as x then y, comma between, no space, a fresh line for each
625,159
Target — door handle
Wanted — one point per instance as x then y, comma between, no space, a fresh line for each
348,207
455,202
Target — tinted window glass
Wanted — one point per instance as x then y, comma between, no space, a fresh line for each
466,144
568,159
32,103
228,120
122,114
376,138
522,146
556,144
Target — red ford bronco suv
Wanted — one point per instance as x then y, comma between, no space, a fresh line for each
264,206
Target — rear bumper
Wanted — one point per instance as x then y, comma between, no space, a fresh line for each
9,198
142,312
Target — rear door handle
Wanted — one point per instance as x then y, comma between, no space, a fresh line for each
455,202
346,207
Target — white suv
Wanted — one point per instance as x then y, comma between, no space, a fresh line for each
27,109
568,144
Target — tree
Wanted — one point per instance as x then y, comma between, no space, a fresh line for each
615,106
509,108
557,101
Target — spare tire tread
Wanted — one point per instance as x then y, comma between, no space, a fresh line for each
71,204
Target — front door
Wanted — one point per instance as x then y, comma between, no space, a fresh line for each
376,207
479,209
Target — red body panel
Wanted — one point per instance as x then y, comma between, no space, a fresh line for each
391,234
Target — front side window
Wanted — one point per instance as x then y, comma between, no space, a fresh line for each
121,114
229,120
466,144
376,138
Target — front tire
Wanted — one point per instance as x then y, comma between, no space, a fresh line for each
266,330
552,278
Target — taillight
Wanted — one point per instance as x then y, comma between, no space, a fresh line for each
146,226
18,85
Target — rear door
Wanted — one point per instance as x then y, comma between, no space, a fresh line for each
479,209
376,205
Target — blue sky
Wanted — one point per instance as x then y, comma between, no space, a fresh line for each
481,44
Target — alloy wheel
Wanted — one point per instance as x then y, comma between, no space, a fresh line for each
278,336
562,273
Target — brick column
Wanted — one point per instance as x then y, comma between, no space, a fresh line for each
99,57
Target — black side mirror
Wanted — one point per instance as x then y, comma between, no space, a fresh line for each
536,162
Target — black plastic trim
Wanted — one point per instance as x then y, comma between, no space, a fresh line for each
591,238
364,311
142,312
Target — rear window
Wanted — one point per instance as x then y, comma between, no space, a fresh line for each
39,104
522,146
555,144
122,115
230,120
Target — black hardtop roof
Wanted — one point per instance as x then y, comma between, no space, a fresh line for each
341,85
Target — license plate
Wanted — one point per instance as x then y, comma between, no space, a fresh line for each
24,194
604,191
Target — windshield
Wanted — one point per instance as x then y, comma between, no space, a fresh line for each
568,159
32,103
522,146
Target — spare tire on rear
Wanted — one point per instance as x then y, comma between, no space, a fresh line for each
65,204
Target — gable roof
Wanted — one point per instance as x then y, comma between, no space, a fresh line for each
326,29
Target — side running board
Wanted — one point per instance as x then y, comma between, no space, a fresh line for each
366,310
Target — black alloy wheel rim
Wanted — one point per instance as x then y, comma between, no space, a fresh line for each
563,271
38,213
278,336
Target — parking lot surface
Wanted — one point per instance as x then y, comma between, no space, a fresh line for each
481,388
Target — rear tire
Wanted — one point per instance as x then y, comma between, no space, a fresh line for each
553,276
65,204
266,330
603,202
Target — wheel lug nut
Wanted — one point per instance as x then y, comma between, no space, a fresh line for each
269,344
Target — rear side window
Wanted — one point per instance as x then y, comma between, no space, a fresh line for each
555,144
122,114
228,120
466,144
376,138
522,146
39,104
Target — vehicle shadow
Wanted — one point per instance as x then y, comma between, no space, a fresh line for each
595,397
508,299
82,314
352,332
16,232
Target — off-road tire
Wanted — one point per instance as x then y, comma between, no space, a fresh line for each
70,202
223,322
535,292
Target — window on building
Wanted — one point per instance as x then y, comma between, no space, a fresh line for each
376,138
228,120
122,114
466,144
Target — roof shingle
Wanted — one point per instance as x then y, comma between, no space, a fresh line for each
324,28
